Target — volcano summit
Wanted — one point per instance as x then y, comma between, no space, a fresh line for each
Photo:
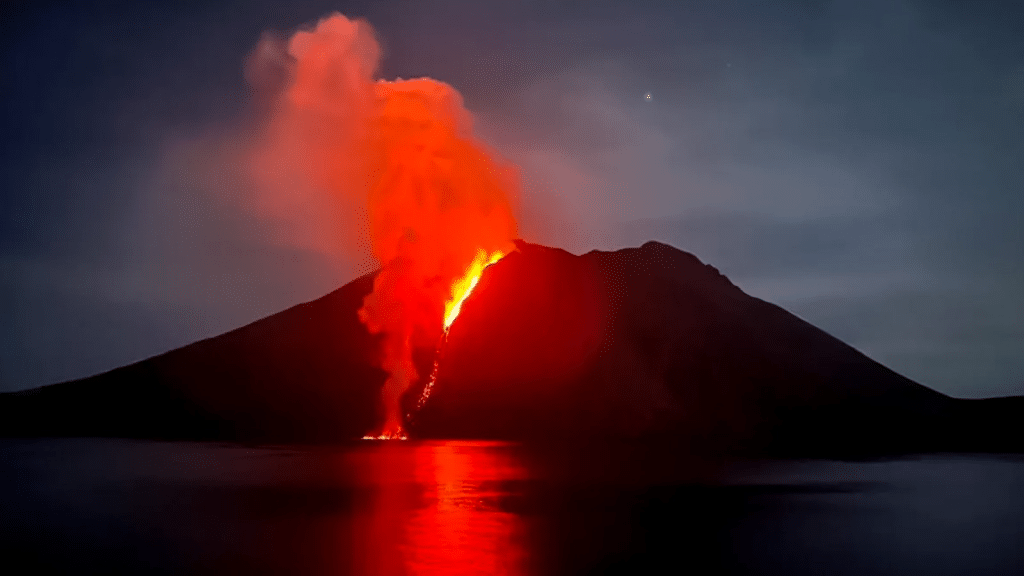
641,343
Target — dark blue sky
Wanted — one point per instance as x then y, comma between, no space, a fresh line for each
858,162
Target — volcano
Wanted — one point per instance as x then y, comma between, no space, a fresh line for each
644,343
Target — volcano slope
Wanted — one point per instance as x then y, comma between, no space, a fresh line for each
641,343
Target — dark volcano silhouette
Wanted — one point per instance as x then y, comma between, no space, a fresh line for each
642,343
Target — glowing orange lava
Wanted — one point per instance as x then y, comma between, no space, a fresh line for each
397,435
461,289
351,164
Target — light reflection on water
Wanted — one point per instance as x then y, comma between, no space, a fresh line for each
394,508
436,510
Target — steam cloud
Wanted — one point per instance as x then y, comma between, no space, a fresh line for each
346,163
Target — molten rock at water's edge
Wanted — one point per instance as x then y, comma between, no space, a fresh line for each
642,343
437,202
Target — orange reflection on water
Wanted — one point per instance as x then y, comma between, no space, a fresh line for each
438,509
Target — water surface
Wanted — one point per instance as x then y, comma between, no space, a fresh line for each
111,506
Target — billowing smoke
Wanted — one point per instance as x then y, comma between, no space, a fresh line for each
396,167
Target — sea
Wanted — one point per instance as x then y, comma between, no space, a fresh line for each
102,506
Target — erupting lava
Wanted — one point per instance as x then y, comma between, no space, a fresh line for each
437,203
462,287
461,290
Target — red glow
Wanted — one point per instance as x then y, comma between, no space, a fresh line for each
437,203
463,287
452,523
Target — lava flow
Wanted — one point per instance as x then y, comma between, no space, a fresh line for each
461,289
435,203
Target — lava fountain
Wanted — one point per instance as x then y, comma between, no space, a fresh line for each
434,203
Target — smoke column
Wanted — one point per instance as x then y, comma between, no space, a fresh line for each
393,165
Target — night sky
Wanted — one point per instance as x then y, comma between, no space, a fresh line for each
858,162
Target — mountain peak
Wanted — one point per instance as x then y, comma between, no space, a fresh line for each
642,342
